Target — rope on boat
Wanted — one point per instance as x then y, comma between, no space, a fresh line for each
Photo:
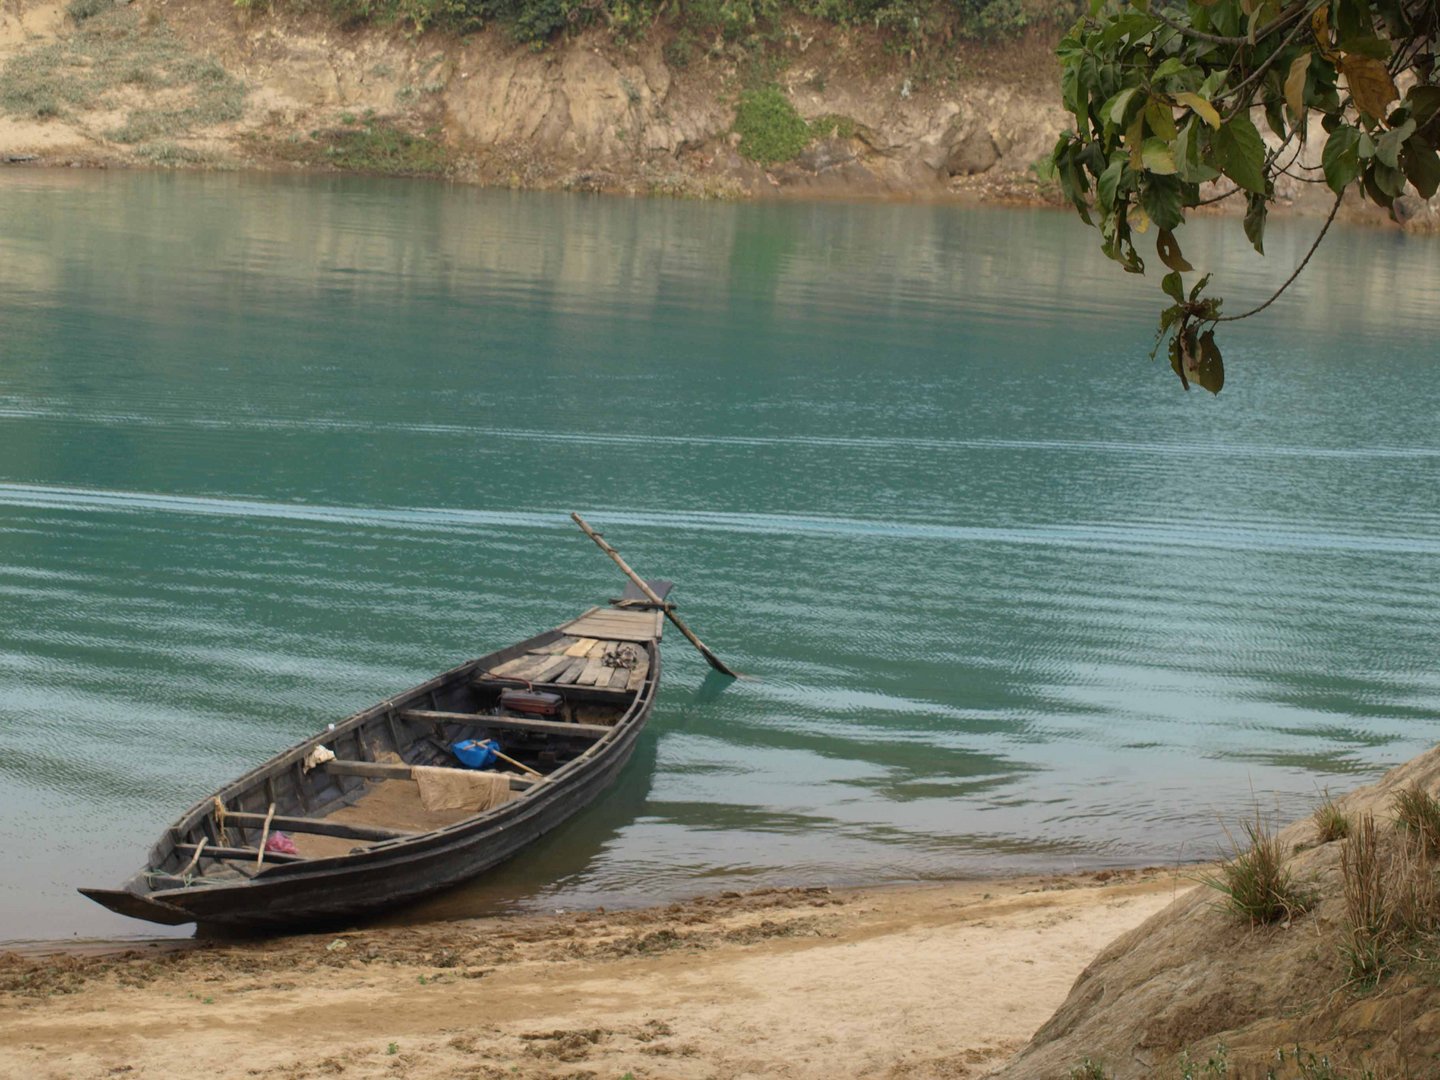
220,831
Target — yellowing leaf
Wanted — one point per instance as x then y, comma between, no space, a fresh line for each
1139,219
1370,83
1295,85
1201,108
1320,27
1161,119
1135,139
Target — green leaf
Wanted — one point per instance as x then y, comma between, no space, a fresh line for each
1207,367
1188,165
1199,288
1180,347
1168,248
1160,198
1157,156
1160,119
1173,286
1168,68
1389,180
1424,102
1116,108
1255,210
1372,189
1421,166
1109,183
1240,152
1387,147
1373,47
1341,158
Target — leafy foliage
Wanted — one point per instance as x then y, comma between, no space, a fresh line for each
1165,97
771,131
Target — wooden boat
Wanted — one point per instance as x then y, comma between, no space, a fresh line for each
363,834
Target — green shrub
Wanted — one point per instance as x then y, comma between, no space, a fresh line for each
80,10
770,129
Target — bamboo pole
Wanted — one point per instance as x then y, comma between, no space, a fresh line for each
518,764
264,836
715,661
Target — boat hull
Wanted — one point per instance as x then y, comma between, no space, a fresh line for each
366,881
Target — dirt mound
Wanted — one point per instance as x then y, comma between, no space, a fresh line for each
1195,988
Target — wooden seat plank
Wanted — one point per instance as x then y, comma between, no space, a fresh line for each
384,770
215,851
511,723
317,826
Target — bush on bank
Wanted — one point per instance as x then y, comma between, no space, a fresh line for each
907,24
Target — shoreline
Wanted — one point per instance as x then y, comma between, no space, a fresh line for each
944,980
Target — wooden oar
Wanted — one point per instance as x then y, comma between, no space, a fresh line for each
715,662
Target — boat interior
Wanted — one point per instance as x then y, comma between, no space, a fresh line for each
394,771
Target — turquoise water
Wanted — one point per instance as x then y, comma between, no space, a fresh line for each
273,448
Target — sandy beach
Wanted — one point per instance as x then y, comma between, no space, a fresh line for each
939,981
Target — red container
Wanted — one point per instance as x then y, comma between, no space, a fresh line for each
531,702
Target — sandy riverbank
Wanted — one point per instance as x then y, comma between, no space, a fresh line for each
942,981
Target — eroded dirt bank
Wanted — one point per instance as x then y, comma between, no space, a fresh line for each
216,84
132,84
918,982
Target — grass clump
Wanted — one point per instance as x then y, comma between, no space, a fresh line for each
770,129
1254,880
1417,812
112,49
374,145
80,10
1392,900
1331,823
1089,1070
173,154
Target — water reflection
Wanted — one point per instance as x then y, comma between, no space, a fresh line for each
271,449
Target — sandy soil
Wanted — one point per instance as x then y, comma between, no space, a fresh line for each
943,981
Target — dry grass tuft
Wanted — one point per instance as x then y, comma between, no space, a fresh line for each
1331,822
1254,880
1392,899
1365,944
1417,812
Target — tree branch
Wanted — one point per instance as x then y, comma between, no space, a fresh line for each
1290,280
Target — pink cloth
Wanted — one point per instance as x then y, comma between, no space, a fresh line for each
279,842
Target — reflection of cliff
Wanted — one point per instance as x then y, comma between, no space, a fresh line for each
584,113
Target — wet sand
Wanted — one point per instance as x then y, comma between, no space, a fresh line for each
939,981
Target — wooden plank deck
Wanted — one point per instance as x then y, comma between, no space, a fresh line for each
615,625
577,657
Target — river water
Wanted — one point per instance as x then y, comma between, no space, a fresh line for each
274,448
